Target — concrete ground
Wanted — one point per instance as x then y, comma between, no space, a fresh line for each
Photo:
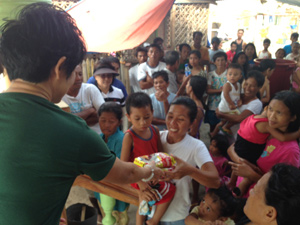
81,195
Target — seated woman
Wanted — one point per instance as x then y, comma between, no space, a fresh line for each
283,115
275,199
189,152
250,103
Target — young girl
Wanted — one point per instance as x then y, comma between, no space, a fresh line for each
280,53
143,139
230,97
216,206
218,152
296,78
242,59
250,143
267,67
250,52
194,62
110,115
294,55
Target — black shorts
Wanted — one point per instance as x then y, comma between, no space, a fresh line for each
248,150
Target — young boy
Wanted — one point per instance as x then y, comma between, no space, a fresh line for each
172,63
215,81
144,139
231,53
265,54
215,43
146,69
295,52
230,97
184,50
161,99
110,115
288,48
141,55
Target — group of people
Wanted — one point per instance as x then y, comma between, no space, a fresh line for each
43,148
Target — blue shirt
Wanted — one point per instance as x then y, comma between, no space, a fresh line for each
114,142
287,49
117,83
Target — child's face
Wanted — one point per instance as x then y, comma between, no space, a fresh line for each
295,49
234,75
160,84
233,47
220,62
108,123
266,45
241,60
180,77
209,209
194,60
215,45
185,51
141,118
213,148
154,54
279,54
249,51
142,57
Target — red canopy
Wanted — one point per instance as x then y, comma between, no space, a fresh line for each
118,24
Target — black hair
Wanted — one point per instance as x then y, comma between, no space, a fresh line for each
291,100
267,40
161,73
157,39
219,55
188,103
184,45
241,30
295,43
227,202
197,32
111,107
235,66
140,49
265,64
283,193
196,52
246,64
280,49
233,43
155,46
295,35
216,39
252,45
32,44
221,143
171,57
110,60
199,84
258,76
138,100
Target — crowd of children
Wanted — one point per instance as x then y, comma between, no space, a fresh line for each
214,80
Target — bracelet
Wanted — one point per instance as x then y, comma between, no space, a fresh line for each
151,176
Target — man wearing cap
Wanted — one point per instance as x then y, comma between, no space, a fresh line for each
104,75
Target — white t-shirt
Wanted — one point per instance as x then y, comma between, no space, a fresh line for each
194,152
173,87
88,96
254,106
145,68
114,95
234,95
134,83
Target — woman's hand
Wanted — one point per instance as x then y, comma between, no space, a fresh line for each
243,169
182,169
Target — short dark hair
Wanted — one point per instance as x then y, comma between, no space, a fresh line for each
283,193
110,60
111,107
291,100
227,202
184,45
235,66
267,40
189,103
32,44
138,100
161,73
258,76
171,57
219,55
196,52
295,35
140,49
265,64
233,43
155,46
241,30
216,39
157,39
221,143
197,32
280,49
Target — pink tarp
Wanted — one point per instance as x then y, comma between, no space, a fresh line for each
114,25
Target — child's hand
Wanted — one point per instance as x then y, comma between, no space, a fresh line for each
239,103
144,186
232,106
148,195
